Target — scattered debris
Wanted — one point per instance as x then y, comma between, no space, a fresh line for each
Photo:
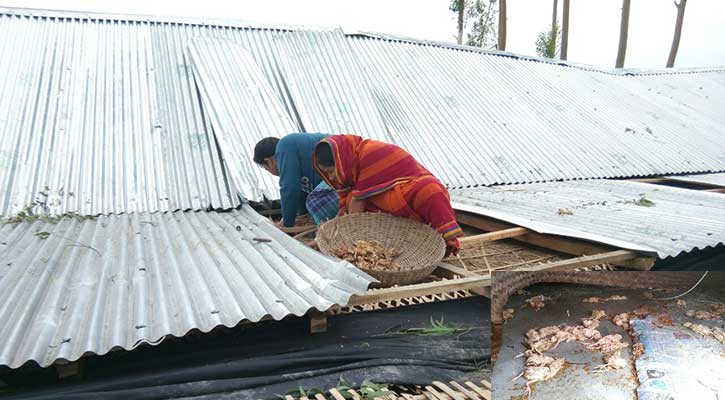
637,350
369,254
42,234
642,201
698,314
508,314
542,373
262,240
713,332
681,303
537,302
612,361
608,344
622,320
583,333
28,214
591,323
717,308
564,211
602,300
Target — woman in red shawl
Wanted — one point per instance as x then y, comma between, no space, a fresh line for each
373,176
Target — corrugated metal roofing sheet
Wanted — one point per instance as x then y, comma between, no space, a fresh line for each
119,127
612,212
242,109
707,179
476,118
102,114
96,118
118,281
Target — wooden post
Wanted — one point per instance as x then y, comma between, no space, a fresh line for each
318,322
69,370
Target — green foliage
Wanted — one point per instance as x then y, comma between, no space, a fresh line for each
437,328
483,29
642,201
547,44
369,390
42,235
457,5
28,215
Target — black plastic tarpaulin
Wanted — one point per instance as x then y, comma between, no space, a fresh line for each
266,359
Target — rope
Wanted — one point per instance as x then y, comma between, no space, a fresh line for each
688,291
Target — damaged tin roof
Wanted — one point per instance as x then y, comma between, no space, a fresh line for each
87,286
631,215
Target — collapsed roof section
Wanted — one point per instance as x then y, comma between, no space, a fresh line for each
84,286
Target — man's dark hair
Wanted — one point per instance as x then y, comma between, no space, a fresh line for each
323,153
265,148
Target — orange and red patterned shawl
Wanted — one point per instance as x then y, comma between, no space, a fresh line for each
367,167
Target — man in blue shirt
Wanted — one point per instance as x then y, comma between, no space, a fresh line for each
301,188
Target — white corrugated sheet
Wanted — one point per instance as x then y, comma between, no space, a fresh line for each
705,179
637,216
79,287
479,118
101,113
242,109
91,121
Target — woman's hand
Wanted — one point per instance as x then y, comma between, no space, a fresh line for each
452,247
357,206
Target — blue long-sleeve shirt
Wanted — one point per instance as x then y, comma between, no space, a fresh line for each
297,176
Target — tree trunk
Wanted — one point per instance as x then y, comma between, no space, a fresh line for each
623,28
678,33
502,25
565,30
461,10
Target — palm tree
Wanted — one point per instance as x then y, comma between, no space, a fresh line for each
623,28
459,6
565,30
678,31
502,25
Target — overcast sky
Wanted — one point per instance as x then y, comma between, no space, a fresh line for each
593,37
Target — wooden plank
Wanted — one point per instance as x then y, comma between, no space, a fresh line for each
557,243
318,322
650,180
297,229
420,289
442,386
472,241
436,394
462,389
337,395
486,394
70,370
583,261
450,271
